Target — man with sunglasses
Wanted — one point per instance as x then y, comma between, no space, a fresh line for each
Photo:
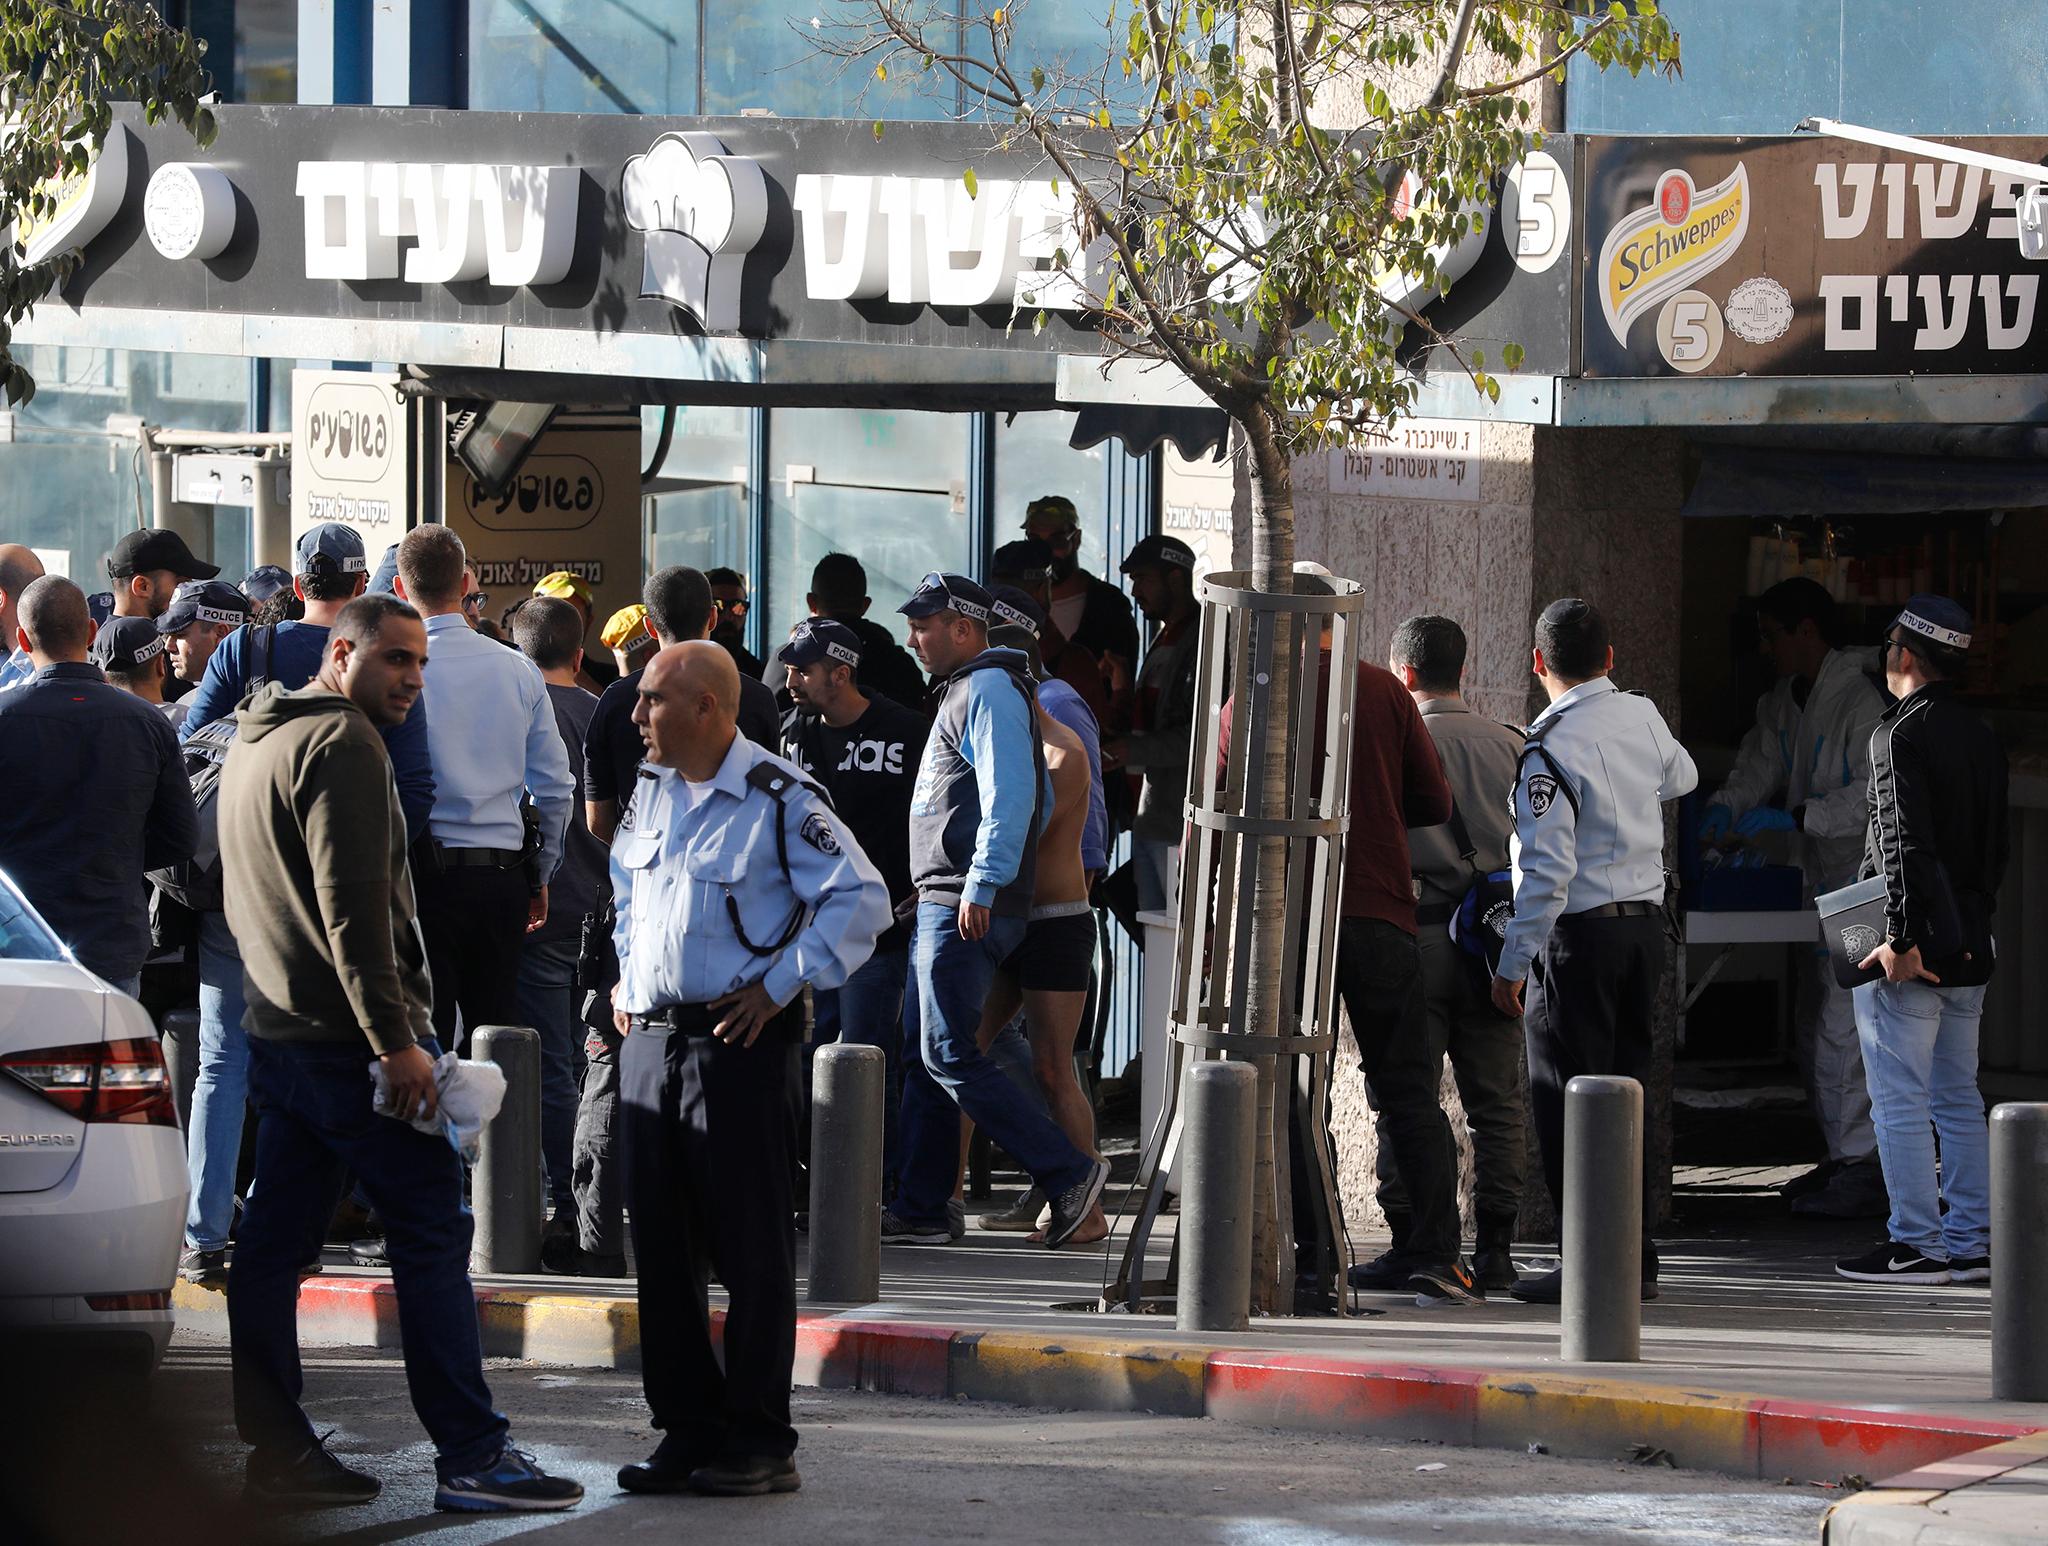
1938,838
1087,610
729,596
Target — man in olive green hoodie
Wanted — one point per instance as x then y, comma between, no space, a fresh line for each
321,904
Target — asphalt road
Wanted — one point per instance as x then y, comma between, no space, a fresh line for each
881,1469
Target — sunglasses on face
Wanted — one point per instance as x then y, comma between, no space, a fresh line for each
736,608
476,601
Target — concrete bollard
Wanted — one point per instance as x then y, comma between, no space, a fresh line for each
1216,1197
505,1192
847,1085
2019,1252
1603,1220
180,1038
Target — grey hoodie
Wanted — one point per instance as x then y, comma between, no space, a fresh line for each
313,869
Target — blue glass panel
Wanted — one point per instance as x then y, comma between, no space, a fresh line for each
584,56
764,54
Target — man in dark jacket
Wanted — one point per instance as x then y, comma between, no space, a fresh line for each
319,895
839,591
975,814
96,790
1938,838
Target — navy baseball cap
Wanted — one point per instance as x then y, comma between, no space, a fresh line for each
385,581
339,545
153,547
819,638
948,593
1160,552
101,605
1936,619
1009,605
126,644
204,601
266,582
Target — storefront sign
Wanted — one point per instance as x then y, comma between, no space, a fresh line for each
87,202
189,210
1421,459
349,461
511,225
702,211
1805,257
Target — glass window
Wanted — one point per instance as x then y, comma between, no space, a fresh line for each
763,54
1033,458
584,56
1066,38
23,934
266,51
889,487
698,495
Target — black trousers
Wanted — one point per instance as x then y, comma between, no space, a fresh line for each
474,924
1591,999
709,1141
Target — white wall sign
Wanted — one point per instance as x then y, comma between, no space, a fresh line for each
1423,459
189,210
511,225
349,459
702,211
86,201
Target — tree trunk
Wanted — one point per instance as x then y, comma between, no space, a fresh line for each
1272,487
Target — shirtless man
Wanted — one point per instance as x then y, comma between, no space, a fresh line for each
1048,973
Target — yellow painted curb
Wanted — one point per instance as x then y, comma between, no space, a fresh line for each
1094,1373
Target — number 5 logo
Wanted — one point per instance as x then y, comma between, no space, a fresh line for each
1536,211
1690,331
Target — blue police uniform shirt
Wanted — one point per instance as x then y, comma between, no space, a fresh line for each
1602,839
687,847
16,669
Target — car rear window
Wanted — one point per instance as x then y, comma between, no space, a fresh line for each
23,934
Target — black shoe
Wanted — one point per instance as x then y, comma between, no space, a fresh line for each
1549,1288
1895,1263
209,1269
666,1470
1969,1269
1446,1284
1810,1181
1494,1268
369,1253
746,1477
1387,1271
565,1257
306,1478
510,1484
1071,1208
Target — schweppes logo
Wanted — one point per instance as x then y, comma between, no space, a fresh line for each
1655,252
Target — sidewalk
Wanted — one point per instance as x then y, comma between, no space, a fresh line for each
1757,1361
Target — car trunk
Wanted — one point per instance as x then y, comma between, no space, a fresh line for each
41,1009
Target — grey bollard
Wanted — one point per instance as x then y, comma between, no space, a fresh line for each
847,1084
2019,1252
180,1038
1216,1197
505,1192
1603,1220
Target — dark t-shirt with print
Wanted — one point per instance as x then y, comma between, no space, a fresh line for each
869,768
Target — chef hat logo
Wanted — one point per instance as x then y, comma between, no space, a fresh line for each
702,212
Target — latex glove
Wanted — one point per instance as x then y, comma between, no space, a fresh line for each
1763,819
1716,822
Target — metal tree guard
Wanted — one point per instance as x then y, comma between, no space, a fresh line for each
1227,823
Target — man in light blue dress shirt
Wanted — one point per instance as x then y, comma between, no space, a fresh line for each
492,738
19,567
735,886
1587,851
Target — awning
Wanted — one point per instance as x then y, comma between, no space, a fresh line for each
1758,481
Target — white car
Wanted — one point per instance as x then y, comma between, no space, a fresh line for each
92,1169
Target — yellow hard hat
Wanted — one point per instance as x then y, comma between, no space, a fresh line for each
624,626
563,586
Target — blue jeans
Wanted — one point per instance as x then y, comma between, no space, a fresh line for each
547,1002
867,1011
1920,1056
951,1074
221,1092
313,1123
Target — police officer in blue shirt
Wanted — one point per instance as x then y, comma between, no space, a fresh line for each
735,886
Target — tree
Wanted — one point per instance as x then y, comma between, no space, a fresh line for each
62,67
1264,192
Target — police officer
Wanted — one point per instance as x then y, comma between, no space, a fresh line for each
735,886
1588,860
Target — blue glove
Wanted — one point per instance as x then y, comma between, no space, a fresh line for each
1765,818
1716,821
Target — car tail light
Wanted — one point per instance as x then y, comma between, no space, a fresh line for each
108,1081
159,1299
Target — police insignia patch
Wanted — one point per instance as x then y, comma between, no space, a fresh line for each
1542,791
817,831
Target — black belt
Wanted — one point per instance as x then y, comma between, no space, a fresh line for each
685,1019
1435,912
478,858
1621,910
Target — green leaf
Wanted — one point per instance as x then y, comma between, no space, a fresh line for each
973,183
878,129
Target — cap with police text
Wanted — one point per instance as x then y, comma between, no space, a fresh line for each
204,601
336,544
126,644
154,548
564,586
1160,552
624,627
947,593
1936,619
1007,604
819,638
266,582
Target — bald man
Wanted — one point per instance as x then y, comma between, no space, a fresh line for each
736,885
19,568
96,789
